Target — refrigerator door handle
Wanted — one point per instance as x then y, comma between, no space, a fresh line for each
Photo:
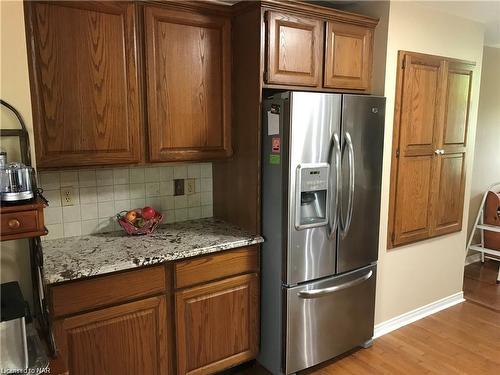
350,206
316,293
333,209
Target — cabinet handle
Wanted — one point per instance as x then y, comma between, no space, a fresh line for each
13,224
439,152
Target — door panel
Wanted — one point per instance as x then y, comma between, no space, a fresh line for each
363,119
217,325
449,201
348,57
189,100
84,83
294,50
457,107
314,119
126,339
322,327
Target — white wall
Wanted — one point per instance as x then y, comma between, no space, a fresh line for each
486,170
415,275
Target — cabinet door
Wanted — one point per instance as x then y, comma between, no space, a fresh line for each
418,125
189,80
126,339
217,325
348,60
450,173
294,50
84,80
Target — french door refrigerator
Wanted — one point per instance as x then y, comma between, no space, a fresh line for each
321,176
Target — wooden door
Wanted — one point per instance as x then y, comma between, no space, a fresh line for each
294,50
126,339
84,83
188,72
217,325
450,170
416,134
348,58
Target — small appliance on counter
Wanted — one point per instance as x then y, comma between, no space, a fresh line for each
16,181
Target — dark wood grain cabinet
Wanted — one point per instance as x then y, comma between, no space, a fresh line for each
188,68
429,148
84,83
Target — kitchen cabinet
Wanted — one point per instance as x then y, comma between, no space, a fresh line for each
188,69
84,83
294,49
217,324
348,56
297,51
22,220
429,148
124,339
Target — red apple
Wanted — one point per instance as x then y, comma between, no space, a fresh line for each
148,213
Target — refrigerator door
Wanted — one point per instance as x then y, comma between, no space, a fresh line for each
327,318
362,151
314,124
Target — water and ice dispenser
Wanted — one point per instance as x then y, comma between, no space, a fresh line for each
311,201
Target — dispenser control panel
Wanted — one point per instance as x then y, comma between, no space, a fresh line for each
314,178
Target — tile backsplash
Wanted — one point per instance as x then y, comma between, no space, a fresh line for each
98,194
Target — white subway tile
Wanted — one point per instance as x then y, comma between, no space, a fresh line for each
120,176
168,216
87,178
88,195
167,188
106,225
180,201
206,198
73,229
152,174
69,178
180,171
194,213
71,214
194,200
137,203
136,175
122,192
55,231
53,215
50,180
104,177
166,173
105,193
53,196
106,209
206,170
137,190
90,227
154,202
167,203
206,184
207,211
123,205
89,211
152,189
181,214
194,171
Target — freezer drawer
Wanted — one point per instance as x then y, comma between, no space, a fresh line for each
328,317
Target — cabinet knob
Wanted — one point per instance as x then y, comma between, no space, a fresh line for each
13,224
439,152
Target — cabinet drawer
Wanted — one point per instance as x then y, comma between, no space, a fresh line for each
216,266
16,224
79,296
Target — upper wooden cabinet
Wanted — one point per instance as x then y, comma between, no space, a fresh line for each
294,50
297,53
348,56
188,68
84,83
428,165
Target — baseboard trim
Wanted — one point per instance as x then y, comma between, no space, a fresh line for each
419,313
473,258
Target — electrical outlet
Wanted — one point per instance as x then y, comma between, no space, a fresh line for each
179,186
67,197
190,186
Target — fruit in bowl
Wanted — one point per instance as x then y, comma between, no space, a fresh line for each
148,213
131,216
139,221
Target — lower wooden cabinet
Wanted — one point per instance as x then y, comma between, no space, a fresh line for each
125,339
217,324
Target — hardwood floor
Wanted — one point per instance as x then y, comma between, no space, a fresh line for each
463,339
480,284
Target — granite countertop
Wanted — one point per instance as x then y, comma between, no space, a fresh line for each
77,257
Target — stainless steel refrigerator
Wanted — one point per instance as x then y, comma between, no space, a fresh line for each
321,176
